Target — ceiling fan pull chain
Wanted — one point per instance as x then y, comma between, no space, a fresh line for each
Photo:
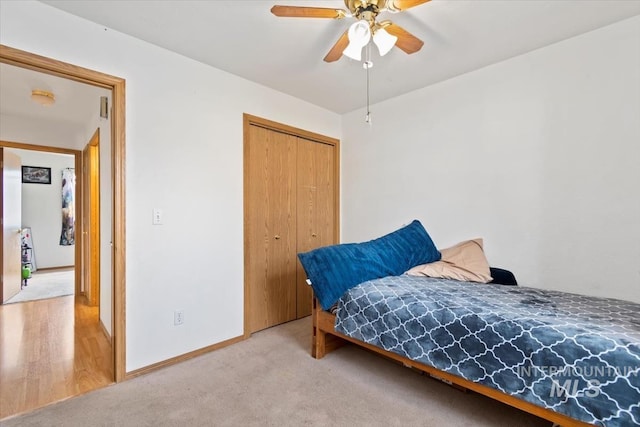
367,66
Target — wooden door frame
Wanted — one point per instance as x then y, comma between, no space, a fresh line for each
91,208
54,67
249,120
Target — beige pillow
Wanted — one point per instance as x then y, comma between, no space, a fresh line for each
464,261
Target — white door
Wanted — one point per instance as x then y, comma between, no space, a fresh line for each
11,223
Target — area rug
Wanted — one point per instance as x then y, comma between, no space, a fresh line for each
46,284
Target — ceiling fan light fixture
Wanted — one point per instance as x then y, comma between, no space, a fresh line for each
43,97
354,52
384,41
359,35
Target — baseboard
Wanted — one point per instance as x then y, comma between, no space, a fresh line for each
64,267
182,358
106,333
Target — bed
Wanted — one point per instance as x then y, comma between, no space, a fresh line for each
571,359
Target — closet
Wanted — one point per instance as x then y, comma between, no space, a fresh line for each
291,181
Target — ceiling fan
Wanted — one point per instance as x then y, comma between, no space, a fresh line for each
385,34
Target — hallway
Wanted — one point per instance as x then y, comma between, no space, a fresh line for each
49,352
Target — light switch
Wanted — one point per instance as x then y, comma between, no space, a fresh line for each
157,216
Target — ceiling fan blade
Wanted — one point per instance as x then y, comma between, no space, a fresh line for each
405,4
406,41
307,12
336,51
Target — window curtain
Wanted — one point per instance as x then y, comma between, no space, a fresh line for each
68,235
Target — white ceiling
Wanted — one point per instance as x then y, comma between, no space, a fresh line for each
75,103
244,38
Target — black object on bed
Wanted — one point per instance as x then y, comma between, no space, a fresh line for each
502,277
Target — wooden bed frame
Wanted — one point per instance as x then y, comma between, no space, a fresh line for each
325,339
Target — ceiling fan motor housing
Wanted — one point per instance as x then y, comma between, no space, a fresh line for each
365,9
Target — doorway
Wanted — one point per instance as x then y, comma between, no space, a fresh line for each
36,205
117,86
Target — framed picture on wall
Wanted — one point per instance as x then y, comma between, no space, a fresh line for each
36,175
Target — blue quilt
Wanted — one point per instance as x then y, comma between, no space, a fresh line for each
573,354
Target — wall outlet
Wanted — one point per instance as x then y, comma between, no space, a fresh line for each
157,216
178,317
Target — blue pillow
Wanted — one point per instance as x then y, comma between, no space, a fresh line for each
335,269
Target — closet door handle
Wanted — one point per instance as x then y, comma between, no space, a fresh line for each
277,237
313,234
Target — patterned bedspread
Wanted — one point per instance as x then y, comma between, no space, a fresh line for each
573,354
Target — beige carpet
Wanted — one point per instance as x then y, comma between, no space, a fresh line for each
271,380
46,284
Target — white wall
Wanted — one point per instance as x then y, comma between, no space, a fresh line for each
538,154
183,155
42,209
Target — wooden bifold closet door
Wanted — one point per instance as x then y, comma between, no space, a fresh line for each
315,209
290,207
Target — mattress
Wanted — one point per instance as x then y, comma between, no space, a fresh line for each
573,354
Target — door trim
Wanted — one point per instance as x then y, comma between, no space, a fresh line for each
91,213
249,120
46,65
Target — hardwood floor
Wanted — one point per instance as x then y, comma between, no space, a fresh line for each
49,351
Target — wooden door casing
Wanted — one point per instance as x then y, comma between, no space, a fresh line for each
85,274
91,223
117,85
